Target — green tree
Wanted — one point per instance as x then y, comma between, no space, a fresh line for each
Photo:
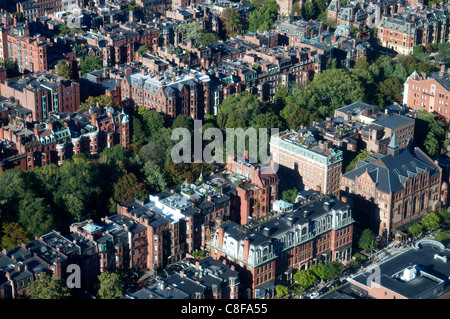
430,221
290,195
443,237
90,63
415,229
128,188
231,19
305,279
111,286
262,18
48,287
367,241
281,291
138,136
309,10
183,121
12,69
35,215
62,69
154,178
362,156
13,235
143,49
444,216
332,89
102,100
153,121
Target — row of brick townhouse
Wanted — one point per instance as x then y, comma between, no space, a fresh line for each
170,93
267,250
403,31
27,144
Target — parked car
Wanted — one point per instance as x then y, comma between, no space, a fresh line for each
314,295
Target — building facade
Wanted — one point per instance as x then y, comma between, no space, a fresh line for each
267,251
315,164
394,189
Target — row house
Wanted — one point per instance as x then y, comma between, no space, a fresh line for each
193,211
428,92
268,251
390,191
256,189
61,136
203,279
294,31
104,81
355,14
309,162
38,8
22,265
106,242
346,48
403,31
157,232
171,93
43,93
374,129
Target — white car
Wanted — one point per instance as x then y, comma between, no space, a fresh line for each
314,295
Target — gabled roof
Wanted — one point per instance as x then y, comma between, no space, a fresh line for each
390,173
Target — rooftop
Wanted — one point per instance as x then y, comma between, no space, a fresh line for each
416,273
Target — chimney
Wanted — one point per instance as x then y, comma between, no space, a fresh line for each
246,248
305,214
344,199
221,235
442,71
424,75
326,206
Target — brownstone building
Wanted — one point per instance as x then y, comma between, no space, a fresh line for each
257,191
169,93
392,190
266,252
43,93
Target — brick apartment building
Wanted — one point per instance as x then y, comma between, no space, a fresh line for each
203,279
404,30
266,252
43,93
428,92
170,93
30,51
391,190
193,211
313,164
27,145
157,229
257,191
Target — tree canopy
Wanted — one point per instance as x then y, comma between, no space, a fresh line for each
90,63
111,286
48,287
